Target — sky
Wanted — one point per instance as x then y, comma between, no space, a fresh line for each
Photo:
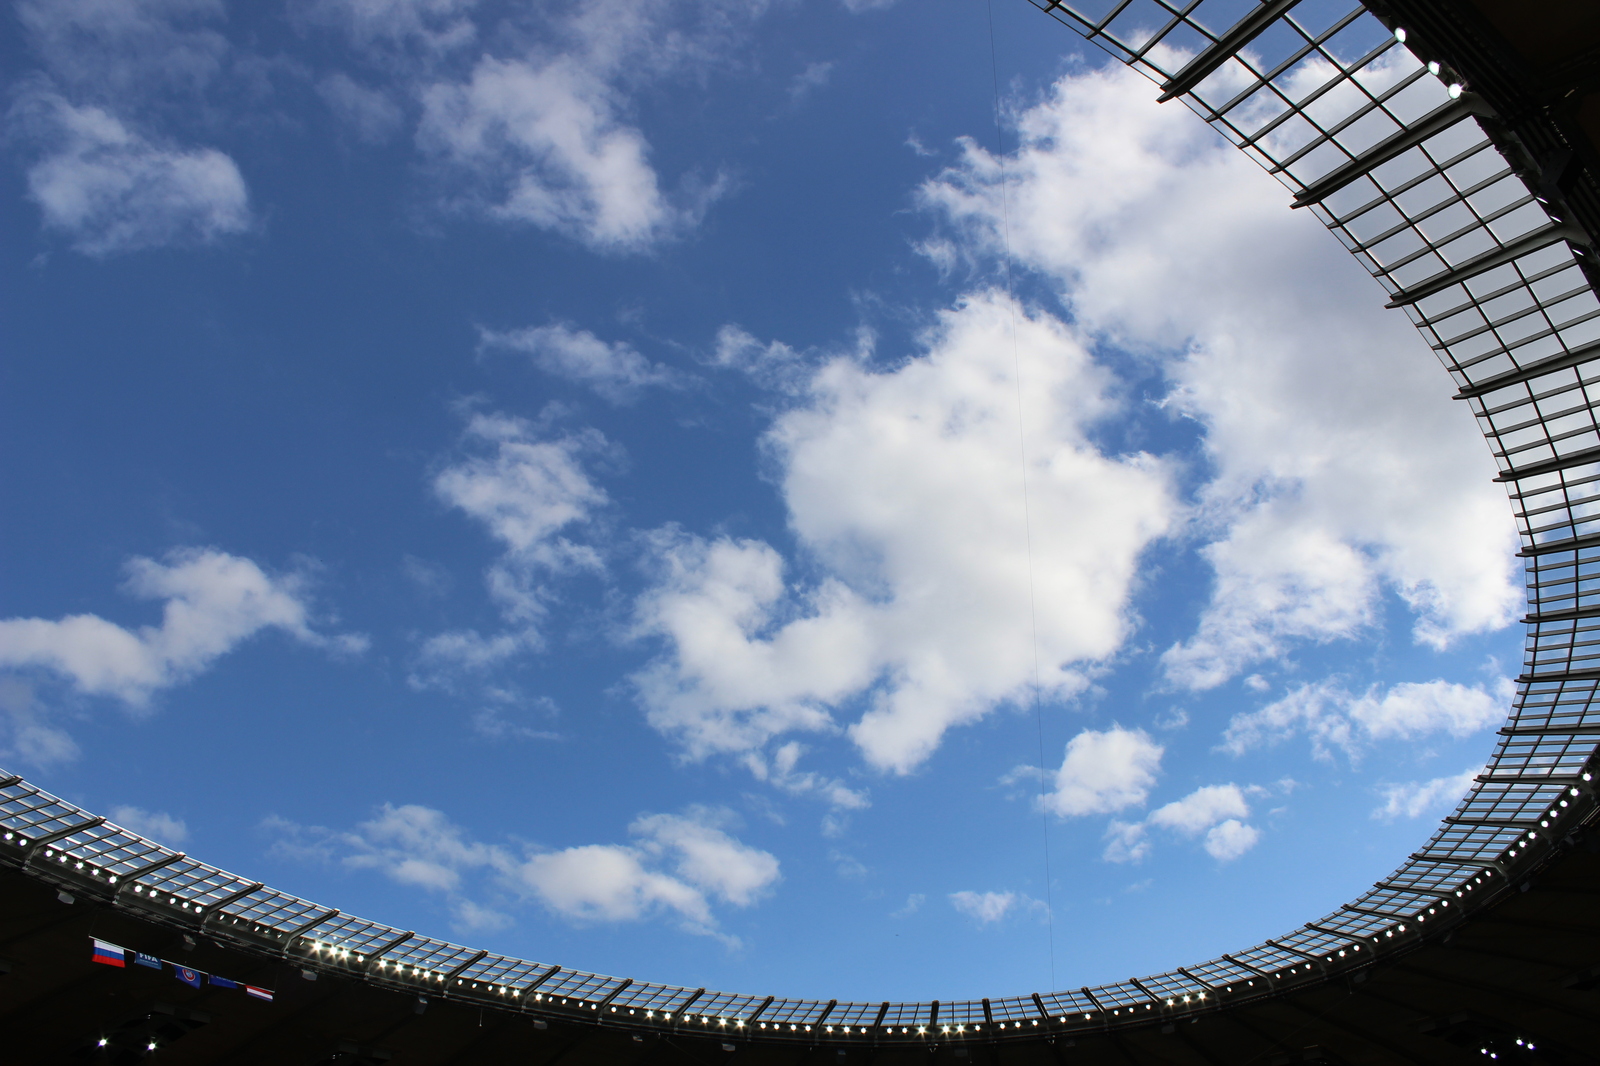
838,499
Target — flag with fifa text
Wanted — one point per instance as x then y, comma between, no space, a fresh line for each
141,959
109,954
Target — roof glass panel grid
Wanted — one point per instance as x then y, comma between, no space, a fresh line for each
1430,876
37,814
856,1014
1219,973
1172,985
1014,1009
961,1012
1312,942
354,934
731,1005
574,984
276,910
194,881
1065,1003
425,953
798,1011
1397,902
1353,925
1121,995
1267,958
112,848
907,1015
646,996
1136,25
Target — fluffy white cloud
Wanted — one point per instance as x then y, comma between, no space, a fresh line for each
109,190
614,370
527,488
905,488
677,865
984,908
1332,716
1416,798
1340,467
1217,811
1104,771
214,602
542,136
543,144
161,827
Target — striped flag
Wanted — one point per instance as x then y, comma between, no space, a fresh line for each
110,954
259,993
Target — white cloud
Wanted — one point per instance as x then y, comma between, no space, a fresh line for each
780,770
814,77
368,112
528,490
1341,468
1104,771
542,144
904,487
1332,716
213,602
614,370
913,904
985,908
26,732
1230,839
1217,811
543,137
1202,808
112,48
110,190
159,826
678,865
387,26
1416,798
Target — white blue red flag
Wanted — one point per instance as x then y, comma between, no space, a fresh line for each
110,954
259,993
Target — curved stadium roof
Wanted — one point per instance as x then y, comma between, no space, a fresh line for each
1450,186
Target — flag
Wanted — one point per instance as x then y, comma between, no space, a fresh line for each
186,975
110,954
259,993
141,959
222,982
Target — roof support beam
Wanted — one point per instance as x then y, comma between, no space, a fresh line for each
1551,730
1557,675
1542,237
1223,48
1529,372
1434,122
1550,466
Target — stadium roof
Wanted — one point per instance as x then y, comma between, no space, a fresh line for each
1451,149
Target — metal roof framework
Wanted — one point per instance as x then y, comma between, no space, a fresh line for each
1444,205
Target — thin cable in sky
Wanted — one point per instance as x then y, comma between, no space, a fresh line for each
1027,517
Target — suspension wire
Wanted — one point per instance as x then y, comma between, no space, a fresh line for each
1027,516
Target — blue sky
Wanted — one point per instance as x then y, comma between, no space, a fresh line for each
581,480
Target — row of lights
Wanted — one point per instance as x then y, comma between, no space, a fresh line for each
1455,88
155,896
86,867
